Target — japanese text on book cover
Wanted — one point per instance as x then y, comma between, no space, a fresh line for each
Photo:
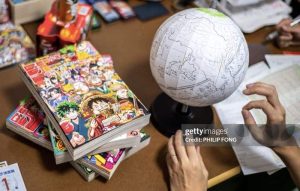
85,94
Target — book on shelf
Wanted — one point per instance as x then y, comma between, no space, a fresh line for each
84,99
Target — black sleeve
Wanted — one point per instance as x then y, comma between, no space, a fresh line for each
295,4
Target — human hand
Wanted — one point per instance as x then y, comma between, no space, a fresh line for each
274,133
288,35
93,124
186,168
77,139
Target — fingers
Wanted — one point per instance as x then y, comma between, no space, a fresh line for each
265,90
192,152
283,26
200,157
179,147
171,151
283,22
287,34
251,125
170,163
293,30
261,104
248,118
198,149
272,107
180,152
287,37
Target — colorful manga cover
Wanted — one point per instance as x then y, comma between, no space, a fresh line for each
59,148
105,163
82,90
61,151
15,45
29,117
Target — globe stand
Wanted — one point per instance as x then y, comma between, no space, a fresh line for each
168,115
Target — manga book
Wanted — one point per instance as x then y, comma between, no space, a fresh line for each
144,141
105,163
15,45
61,154
85,172
127,140
28,120
86,101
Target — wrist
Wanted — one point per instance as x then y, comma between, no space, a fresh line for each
286,151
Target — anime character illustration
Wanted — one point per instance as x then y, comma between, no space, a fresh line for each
84,71
80,87
55,97
15,46
66,76
54,81
83,91
75,75
72,124
44,95
127,102
100,109
42,132
85,50
48,84
58,145
95,77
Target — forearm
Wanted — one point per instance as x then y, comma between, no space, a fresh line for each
291,157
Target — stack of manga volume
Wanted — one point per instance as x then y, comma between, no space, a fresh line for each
81,110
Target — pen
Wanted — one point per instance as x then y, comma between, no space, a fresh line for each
274,34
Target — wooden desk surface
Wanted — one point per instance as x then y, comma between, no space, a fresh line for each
129,44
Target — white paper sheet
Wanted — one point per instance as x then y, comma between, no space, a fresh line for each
11,178
285,75
252,17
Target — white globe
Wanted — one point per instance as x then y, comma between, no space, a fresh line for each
199,57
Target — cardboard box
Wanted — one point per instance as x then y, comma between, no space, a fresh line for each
29,10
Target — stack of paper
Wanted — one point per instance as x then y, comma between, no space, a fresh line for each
284,74
255,14
94,119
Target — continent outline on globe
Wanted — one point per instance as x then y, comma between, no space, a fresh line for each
199,57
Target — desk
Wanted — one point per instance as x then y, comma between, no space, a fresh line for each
129,44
